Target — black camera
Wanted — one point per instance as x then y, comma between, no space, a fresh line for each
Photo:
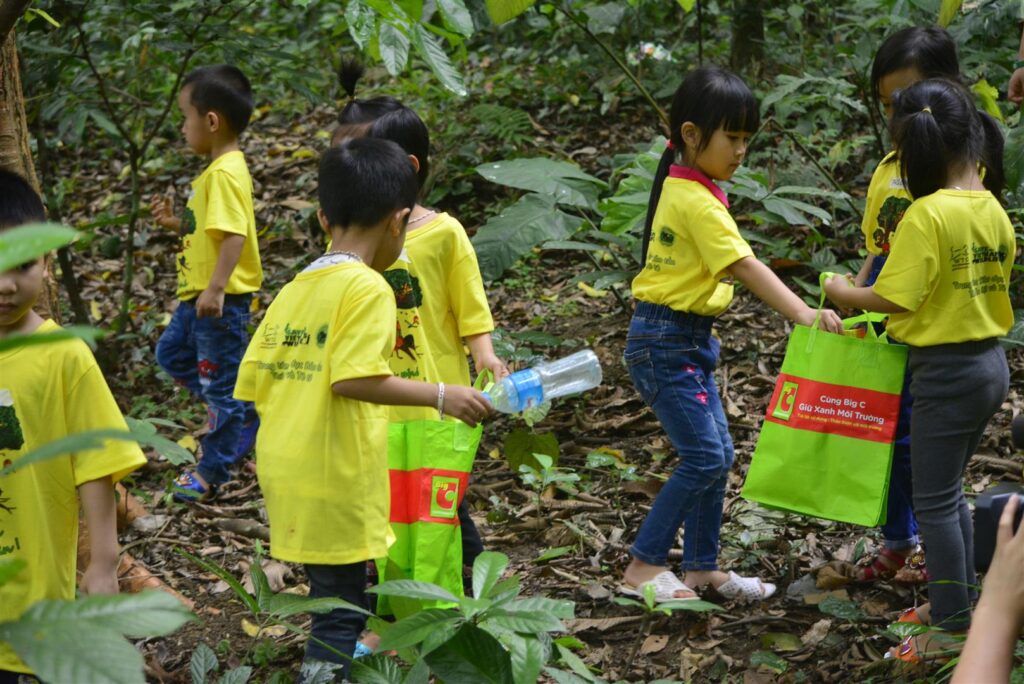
988,508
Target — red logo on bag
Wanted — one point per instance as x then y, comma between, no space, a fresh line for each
835,409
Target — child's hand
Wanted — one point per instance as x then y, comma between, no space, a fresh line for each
493,364
210,303
162,208
828,319
100,578
466,404
836,284
1004,582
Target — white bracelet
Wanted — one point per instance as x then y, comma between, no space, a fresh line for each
440,400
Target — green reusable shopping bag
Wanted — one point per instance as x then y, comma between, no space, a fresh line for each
825,447
429,463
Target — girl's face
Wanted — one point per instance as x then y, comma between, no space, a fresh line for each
721,156
893,81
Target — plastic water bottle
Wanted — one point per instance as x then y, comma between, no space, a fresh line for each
546,381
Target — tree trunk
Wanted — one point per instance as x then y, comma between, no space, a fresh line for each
747,35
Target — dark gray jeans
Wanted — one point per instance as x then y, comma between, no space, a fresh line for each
956,388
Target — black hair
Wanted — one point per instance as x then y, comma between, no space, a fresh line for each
711,98
356,114
224,89
405,127
935,125
929,49
19,203
364,180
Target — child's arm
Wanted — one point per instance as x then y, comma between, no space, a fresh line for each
763,282
464,403
862,274
100,510
484,357
840,291
210,303
162,208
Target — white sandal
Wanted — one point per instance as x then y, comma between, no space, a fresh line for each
746,589
665,584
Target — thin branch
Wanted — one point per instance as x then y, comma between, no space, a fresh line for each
113,114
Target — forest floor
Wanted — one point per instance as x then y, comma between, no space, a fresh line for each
791,637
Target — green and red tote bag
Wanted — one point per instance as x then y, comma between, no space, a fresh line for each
825,448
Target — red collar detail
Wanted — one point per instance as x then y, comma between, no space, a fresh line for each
689,173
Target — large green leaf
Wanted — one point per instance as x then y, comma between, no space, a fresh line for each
89,335
531,221
527,655
988,97
32,241
202,663
501,11
414,629
559,608
228,578
1013,158
362,23
525,622
281,605
414,590
564,182
472,655
456,16
84,640
521,444
83,441
394,47
487,570
169,449
428,47
948,11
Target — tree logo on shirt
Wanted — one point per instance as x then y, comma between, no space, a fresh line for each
889,216
666,236
321,336
11,436
406,287
188,222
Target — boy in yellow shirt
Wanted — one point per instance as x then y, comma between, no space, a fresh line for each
218,270
317,370
48,392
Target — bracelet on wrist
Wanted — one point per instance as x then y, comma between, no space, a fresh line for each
440,400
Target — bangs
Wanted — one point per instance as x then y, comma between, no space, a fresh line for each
740,113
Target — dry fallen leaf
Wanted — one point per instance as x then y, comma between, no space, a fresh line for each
654,643
817,633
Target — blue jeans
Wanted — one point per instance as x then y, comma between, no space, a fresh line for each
339,628
203,355
671,357
900,528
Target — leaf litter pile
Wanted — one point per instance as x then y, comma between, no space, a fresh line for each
569,542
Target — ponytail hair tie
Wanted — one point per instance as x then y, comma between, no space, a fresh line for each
670,145
927,109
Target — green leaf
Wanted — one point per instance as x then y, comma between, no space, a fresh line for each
84,640
472,655
362,23
44,15
1013,158
414,590
456,16
394,48
238,675
781,641
412,630
553,553
527,656
202,662
902,630
693,605
29,242
376,669
527,622
487,570
559,608
228,578
948,11
769,660
87,334
605,18
575,663
169,449
532,220
105,123
687,5
428,48
565,183
848,610
281,606
9,569
82,441
989,98
521,445
501,11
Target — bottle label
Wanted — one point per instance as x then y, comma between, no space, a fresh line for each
528,387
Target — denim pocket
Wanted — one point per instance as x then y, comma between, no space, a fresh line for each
641,370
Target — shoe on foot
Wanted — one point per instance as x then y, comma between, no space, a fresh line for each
188,488
666,585
745,589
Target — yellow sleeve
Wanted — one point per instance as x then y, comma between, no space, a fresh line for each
466,290
226,205
89,405
363,334
718,239
911,272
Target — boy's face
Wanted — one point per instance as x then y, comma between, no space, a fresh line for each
196,127
19,290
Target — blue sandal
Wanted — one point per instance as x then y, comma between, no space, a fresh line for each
188,489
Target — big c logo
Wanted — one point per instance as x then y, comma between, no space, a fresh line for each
444,496
787,401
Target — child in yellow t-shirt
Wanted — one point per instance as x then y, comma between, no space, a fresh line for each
945,288
317,370
218,270
904,58
693,249
49,392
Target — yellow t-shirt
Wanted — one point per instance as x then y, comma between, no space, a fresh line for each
886,203
221,200
950,267
48,392
693,241
454,304
321,459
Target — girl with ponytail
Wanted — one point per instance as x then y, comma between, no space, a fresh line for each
692,251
